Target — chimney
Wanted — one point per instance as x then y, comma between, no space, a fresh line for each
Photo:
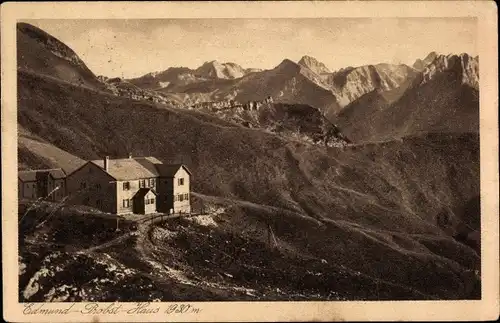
106,163
130,155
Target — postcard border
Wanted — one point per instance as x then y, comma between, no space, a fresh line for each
485,309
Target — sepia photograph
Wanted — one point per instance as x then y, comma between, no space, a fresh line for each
248,159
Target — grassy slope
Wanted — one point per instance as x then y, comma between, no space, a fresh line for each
378,202
33,54
33,153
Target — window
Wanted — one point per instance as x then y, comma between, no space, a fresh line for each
151,182
97,187
152,201
180,181
126,186
142,183
186,196
83,185
181,197
126,203
98,203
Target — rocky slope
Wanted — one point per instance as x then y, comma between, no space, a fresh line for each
124,88
351,83
464,66
443,98
286,83
291,121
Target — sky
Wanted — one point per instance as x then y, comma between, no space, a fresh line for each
131,48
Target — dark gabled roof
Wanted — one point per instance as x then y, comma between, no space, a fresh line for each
135,168
27,175
143,191
57,173
149,163
127,169
170,170
34,175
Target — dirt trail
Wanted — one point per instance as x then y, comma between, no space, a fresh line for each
107,244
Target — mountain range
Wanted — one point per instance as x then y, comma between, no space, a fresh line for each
349,172
388,87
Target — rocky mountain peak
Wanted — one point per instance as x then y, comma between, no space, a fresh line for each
431,56
353,82
215,69
420,64
52,44
213,63
287,65
287,62
314,65
464,66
